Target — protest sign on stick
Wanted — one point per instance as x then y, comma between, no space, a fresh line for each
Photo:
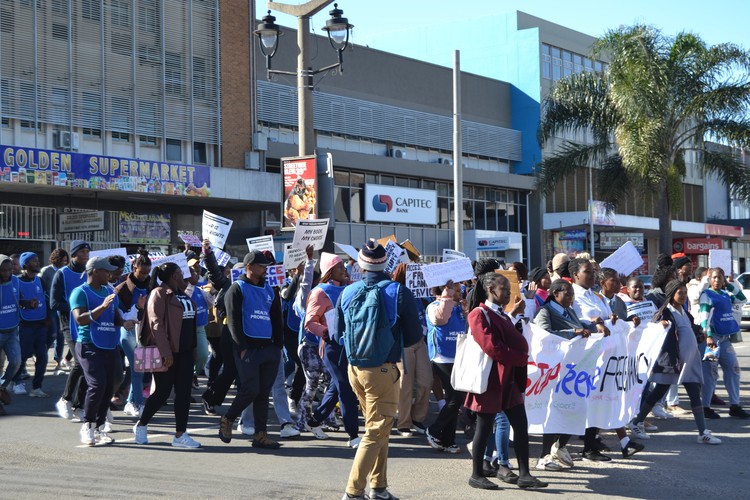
216,228
293,257
450,254
261,243
310,232
415,281
722,259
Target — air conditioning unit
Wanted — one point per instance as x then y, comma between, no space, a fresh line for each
445,161
65,139
396,153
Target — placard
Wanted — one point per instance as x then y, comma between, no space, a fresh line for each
624,260
348,250
310,232
393,254
190,239
722,259
450,254
216,228
455,270
515,287
300,190
81,221
261,243
355,273
275,275
415,281
293,257
123,252
179,258
237,273
222,257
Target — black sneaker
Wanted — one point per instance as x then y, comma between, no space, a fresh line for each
595,456
631,449
710,413
208,408
419,427
489,469
737,411
482,483
599,445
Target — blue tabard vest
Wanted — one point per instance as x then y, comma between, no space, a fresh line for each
33,290
104,333
292,318
9,304
256,310
722,320
72,281
201,307
333,293
442,339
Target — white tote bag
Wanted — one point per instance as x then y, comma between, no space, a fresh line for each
471,366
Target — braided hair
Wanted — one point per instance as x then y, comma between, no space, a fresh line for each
163,273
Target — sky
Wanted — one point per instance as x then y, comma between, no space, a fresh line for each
718,21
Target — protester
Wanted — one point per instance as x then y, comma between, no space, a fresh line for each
96,314
292,324
373,378
57,260
169,324
609,281
195,291
558,268
695,288
541,278
498,337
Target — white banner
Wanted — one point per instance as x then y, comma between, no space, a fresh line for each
123,252
310,232
179,258
293,257
455,270
415,281
216,228
261,243
593,382
449,254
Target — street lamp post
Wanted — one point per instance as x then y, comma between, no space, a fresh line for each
268,32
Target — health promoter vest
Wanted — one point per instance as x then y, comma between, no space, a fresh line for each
292,319
256,310
72,280
722,320
370,313
442,339
201,307
33,290
333,293
104,333
9,304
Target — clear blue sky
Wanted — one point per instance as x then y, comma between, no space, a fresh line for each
716,21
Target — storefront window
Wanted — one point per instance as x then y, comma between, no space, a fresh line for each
341,203
340,178
443,213
356,206
357,180
479,208
402,182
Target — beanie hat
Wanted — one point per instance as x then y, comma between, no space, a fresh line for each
25,257
558,260
372,256
681,261
537,274
328,261
77,245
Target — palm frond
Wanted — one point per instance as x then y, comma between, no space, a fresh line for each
570,157
731,171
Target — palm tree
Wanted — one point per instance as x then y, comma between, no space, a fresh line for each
659,98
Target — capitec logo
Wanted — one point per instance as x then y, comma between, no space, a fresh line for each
382,203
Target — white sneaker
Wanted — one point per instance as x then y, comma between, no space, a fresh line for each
102,436
19,389
64,409
293,410
38,393
354,443
88,433
708,438
110,417
648,427
245,429
548,463
185,441
562,455
141,433
288,430
637,430
132,410
658,411
107,427
317,432
77,416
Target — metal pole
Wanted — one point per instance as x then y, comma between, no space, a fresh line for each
591,210
458,190
304,91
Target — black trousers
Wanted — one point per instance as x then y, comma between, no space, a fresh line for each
257,371
217,391
444,427
75,385
290,345
180,377
98,367
520,425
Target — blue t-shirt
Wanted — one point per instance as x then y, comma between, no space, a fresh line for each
77,300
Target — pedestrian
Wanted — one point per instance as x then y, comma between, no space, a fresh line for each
34,326
376,318
57,260
95,309
169,324
196,292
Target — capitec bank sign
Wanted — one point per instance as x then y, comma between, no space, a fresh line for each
400,205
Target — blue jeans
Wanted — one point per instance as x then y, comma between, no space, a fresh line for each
128,343
10,343
280,406
335,361
730,367
499,440
33,338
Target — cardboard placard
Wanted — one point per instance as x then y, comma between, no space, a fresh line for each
450,254
310,232
260,243
414,254
455,270
515,287
293,257
415,281
216,228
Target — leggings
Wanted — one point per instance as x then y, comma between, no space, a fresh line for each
693,390
520,425
179,376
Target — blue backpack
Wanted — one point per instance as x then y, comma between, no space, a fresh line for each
369,332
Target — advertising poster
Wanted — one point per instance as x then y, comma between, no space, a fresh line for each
300,190
151,229
76,170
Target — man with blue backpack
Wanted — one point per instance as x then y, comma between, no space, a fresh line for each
377,317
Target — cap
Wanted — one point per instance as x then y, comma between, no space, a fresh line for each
99,263
256,257
192,261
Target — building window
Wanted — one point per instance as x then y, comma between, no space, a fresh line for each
120,13
91,110
7,21
59,105
120,116
90,9
60,31
60,7
173,74
199,78
148,140
28,124
148,17
556,63
92,132
120,136
174,150
121,43
147,119
5,122
199,153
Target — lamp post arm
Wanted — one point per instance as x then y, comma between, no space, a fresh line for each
303,10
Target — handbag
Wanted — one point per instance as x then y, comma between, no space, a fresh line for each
471,365
148,359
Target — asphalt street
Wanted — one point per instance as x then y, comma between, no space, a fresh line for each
41,457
